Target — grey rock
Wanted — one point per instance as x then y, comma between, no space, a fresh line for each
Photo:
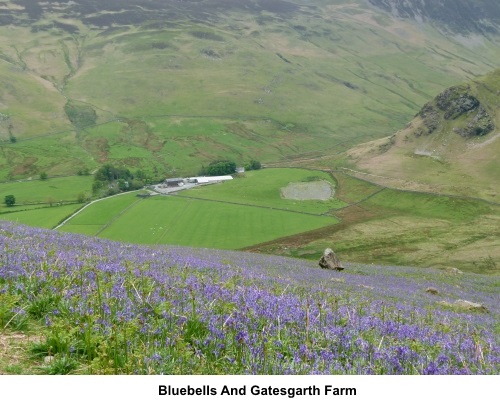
330,261
453,271
466,306
470,306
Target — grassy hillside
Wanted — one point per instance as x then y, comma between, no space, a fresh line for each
168,86
381,225
80,305
451,146
50,190
457,16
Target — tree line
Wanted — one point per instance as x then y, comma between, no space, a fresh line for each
224,167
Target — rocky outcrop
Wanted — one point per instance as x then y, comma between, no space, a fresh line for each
453,104
481,124
456,101
330,261
430,117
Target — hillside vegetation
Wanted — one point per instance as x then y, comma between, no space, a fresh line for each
451,146
71,304
389,226
168,86
427,195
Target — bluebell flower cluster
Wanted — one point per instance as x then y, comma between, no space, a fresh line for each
122,308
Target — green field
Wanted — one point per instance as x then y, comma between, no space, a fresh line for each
181,221
51,190
262,188
457,210
46,217
99,214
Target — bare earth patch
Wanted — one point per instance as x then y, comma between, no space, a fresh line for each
313,190
13,356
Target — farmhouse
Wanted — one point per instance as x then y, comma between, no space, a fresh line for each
177,182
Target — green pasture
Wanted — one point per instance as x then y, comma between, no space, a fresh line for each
262,188
62,154
51,190
42,217
422,205
99,214
181,221
351,190
406,228
169,145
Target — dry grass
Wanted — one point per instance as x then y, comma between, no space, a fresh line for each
14,355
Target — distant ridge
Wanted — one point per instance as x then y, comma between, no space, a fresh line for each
461,16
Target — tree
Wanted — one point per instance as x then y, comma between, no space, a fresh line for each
51,201
12,137
10,200
81,197
111,173
43,176
253,165
123,185
83,172
96,186
221,168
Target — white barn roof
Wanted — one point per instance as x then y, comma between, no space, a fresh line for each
210,179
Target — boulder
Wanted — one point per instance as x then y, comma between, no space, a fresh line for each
466,305
453,271
330,261
470,306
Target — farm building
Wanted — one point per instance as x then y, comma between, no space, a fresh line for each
208,179
178,182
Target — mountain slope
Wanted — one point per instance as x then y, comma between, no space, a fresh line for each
459,16
451,146
168,86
